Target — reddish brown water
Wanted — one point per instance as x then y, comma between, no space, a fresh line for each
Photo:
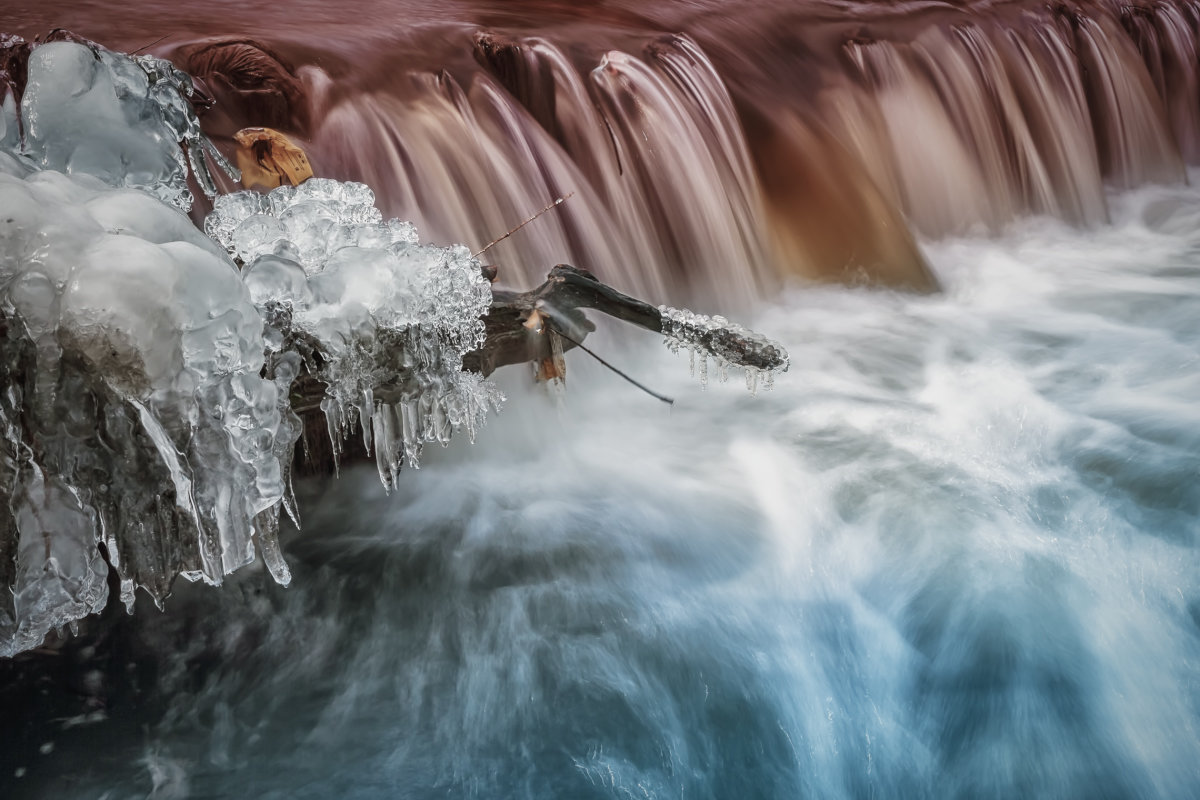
713,147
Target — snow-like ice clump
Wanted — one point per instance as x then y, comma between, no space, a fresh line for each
145,379
394,317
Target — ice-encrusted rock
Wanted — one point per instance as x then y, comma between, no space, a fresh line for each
392,318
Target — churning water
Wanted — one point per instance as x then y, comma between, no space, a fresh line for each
952,554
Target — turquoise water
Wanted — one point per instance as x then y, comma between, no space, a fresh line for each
953,553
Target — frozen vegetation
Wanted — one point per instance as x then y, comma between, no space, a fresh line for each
148,367
727,343
392,318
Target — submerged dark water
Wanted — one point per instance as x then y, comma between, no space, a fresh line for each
952,554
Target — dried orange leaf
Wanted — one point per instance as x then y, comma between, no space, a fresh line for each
269,159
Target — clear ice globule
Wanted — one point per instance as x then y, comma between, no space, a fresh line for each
122,120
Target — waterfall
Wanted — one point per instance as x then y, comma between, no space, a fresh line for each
665,193
689,180
984,121
715,150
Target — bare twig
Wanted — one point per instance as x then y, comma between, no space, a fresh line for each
668,400
148,46
495,242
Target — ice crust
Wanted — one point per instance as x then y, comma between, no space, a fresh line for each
145,375
728,343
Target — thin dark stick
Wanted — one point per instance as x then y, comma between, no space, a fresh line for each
148,46
668,400
557,202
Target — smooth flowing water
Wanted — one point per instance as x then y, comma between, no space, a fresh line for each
953,553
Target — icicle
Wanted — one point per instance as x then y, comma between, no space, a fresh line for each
383,446
267,533
127,596
410,422
289,492
182,481
331,409
366,412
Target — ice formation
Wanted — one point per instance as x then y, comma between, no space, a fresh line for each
393,318
134,412
122,119
728,343
145,405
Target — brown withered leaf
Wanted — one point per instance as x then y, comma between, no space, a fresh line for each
548,370
269,159
555,367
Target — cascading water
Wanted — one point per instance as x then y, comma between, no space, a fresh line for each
953,552
712,164
654,152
